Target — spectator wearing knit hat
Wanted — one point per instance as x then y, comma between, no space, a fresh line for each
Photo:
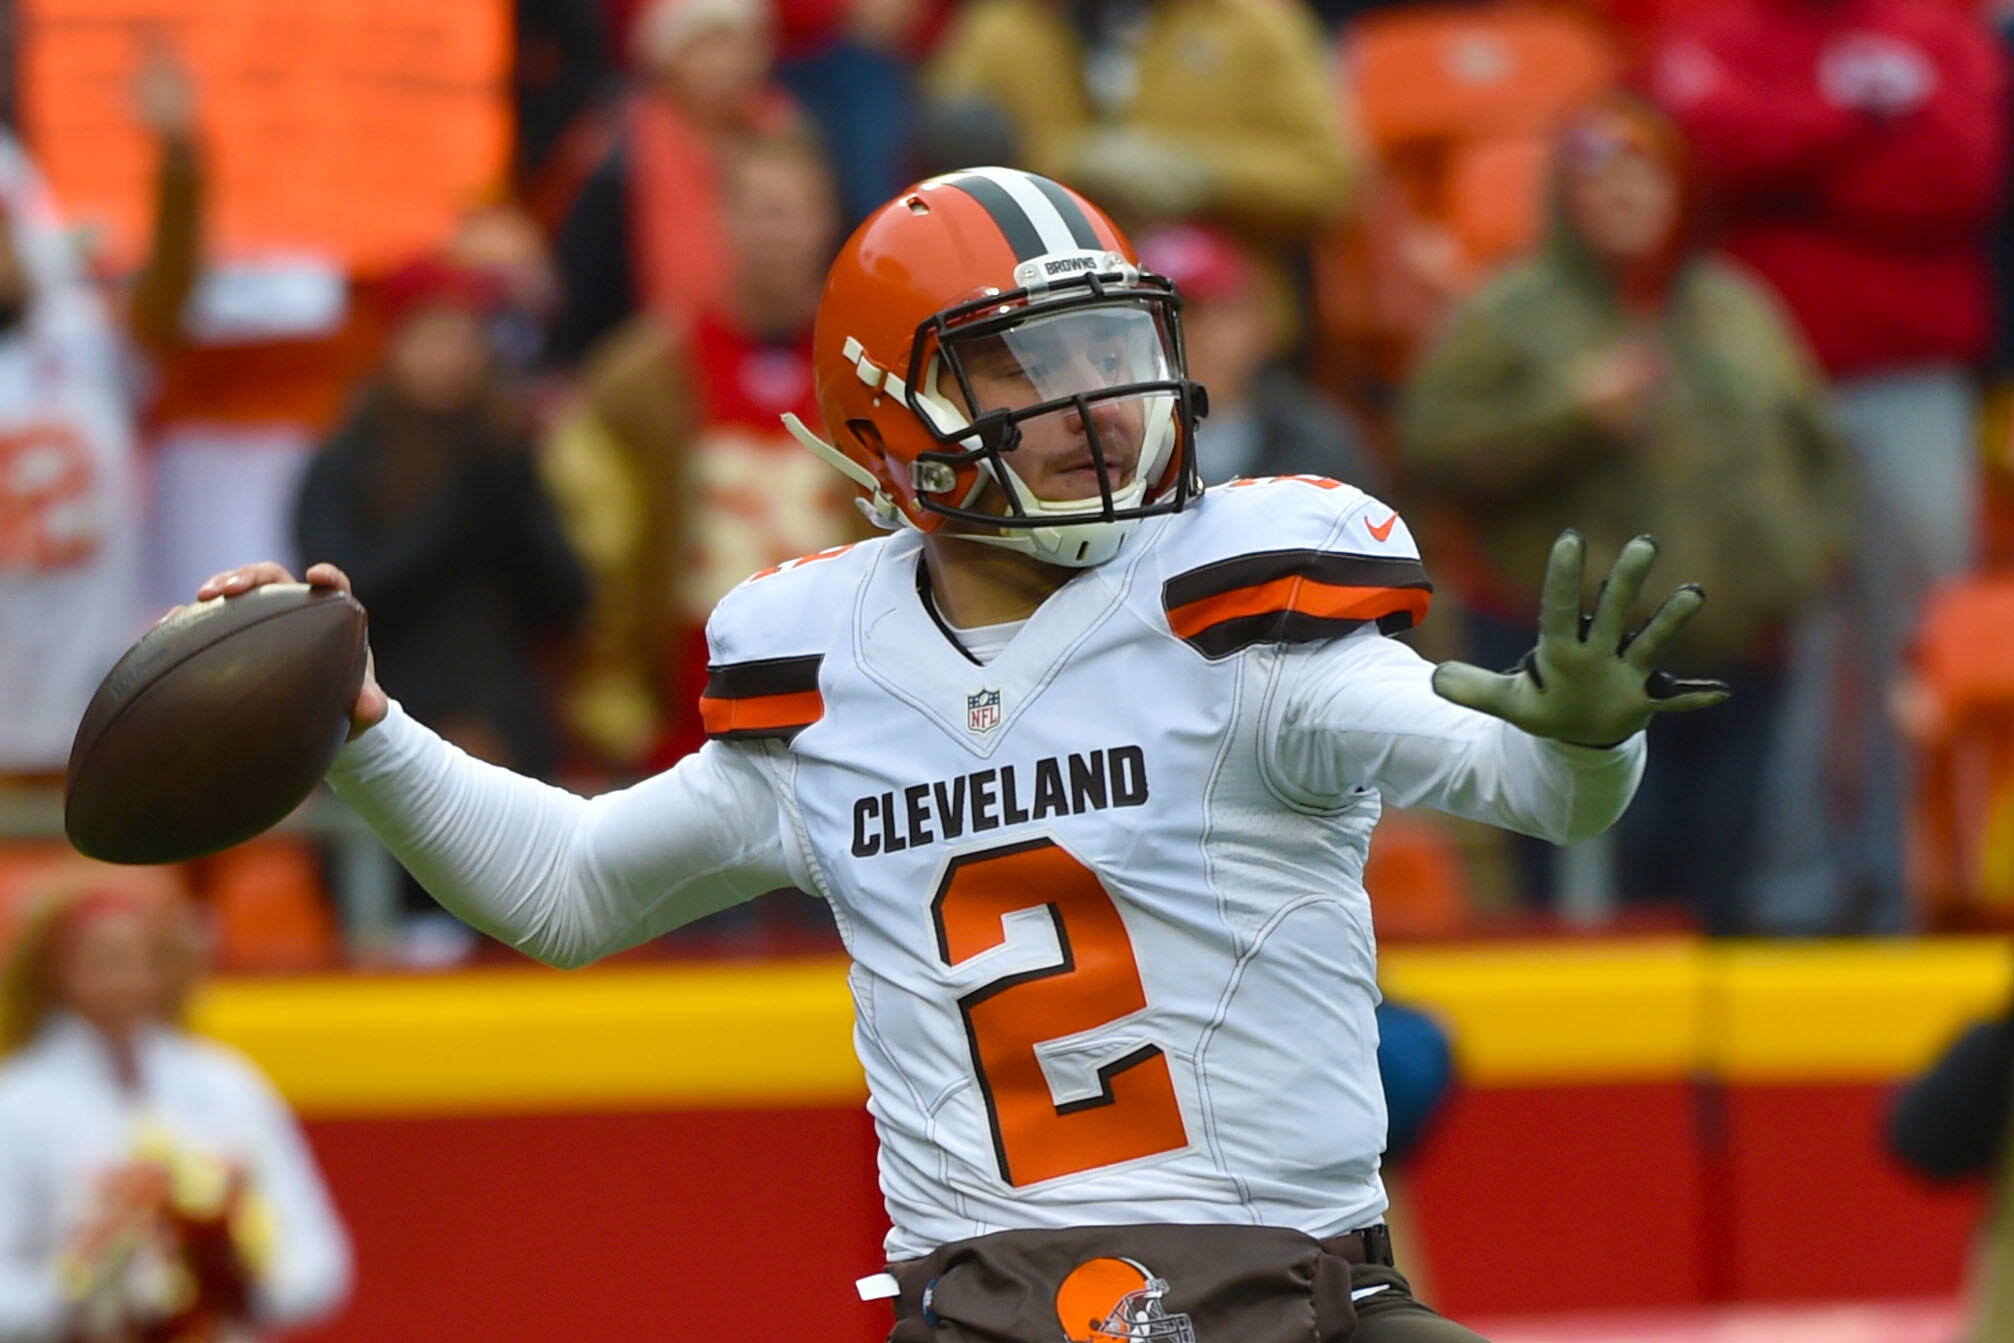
1264,420
428,496
152,1184
674,474
1623,380
646,231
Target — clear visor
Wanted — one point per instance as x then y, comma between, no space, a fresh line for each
1086,386
1068,354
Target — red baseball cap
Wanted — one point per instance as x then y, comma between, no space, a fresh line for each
1204,262
436,282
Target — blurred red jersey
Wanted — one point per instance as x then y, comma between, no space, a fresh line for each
1858,152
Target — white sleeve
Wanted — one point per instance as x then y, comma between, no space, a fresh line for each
310,1272
32,1309
563,878
1361,712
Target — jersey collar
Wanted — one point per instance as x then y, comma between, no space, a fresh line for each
901,646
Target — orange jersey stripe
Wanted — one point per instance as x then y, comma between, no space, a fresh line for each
1305,596
760,713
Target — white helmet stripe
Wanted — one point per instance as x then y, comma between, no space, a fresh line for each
1048,221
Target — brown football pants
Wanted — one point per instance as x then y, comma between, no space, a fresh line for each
1393,1316
1247,1285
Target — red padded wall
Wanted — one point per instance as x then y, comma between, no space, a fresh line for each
578,1228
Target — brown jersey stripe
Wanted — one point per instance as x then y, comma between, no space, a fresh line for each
1326,600
1283,627
1323,566
761,677
1293,610
776,716
767,697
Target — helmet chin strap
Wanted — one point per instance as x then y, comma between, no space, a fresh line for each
876,506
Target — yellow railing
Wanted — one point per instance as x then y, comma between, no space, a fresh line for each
686,1036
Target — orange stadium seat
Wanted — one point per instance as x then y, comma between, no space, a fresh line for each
1456,104
1496,198
1417,878
270,909
1430,75
1960,711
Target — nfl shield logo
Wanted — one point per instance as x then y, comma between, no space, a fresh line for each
982,711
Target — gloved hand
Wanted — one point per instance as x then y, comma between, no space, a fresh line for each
1587,682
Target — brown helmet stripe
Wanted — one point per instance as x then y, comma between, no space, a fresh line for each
1013,221
1038,217
1073,214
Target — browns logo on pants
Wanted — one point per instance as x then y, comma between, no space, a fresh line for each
1163,1284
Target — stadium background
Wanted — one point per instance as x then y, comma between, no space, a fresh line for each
1687,1131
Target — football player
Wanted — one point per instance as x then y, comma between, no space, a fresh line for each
1086,762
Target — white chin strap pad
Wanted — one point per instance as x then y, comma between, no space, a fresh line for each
1084,545
1074,545
1080,545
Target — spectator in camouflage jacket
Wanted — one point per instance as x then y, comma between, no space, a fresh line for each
1624,380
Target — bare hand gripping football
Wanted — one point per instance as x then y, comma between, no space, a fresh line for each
1588,682
371,705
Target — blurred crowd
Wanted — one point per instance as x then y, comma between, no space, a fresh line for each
1736,273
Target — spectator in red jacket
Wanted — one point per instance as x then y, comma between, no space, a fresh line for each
1857,149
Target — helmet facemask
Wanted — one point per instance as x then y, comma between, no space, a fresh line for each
1140,1316
1081,422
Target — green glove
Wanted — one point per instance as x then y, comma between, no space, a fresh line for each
1588,682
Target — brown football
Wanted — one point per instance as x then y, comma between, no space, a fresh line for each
215,725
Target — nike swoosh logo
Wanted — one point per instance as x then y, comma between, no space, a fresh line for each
1363,1292
1381,530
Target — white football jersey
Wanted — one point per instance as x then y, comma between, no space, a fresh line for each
1113,960
69,535
1112,955
69,503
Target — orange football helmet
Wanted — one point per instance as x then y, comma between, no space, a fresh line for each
1005,267
1112,1300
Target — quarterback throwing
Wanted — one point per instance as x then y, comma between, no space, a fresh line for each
1086,762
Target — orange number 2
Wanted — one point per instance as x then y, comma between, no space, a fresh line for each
1135,1113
